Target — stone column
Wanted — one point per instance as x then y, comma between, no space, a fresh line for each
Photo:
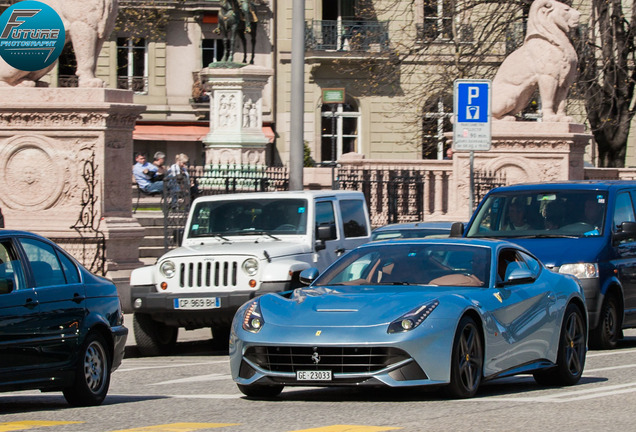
524,152
236,115
65,168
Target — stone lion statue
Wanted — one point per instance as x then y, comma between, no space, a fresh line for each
87,24
546,60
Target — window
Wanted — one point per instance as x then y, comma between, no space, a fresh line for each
624,211
340,125
70,270
11,273
132,64
45,266
436,120
353,218
325,216
438,20
211,51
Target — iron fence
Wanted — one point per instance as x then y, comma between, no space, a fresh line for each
393,195
484,180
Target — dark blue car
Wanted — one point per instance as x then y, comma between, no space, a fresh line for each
61,327
583,228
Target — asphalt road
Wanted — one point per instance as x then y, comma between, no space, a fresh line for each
192,391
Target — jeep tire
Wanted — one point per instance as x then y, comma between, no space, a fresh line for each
153,337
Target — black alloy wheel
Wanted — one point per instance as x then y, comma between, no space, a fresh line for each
572,351
467,360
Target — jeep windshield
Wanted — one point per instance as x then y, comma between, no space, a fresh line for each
244,217
525,214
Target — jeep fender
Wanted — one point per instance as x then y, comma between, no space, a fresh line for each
280,271
143,276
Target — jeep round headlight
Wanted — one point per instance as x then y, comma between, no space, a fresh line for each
250,266
167,269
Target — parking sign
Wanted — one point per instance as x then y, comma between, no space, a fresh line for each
471,128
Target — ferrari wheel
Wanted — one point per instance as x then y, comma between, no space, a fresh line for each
571,354
467,360
260,391
606,333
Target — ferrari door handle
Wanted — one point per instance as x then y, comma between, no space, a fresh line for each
77,298
552,297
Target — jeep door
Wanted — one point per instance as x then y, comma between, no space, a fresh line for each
328,249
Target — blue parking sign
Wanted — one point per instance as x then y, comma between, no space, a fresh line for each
471,128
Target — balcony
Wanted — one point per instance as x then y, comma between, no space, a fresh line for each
353,37
138,84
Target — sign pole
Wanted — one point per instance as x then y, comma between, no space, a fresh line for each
333,147
334,96
472,123
471,195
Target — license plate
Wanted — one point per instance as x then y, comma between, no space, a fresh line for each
323,375
197,303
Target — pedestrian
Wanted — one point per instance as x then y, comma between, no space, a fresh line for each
144,172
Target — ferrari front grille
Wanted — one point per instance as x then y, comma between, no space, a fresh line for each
336,359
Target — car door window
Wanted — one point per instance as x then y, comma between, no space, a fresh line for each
353,218
45,266
325,216
11,274
623,210
69,268
509,260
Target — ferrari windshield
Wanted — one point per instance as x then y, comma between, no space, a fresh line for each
411,264
275,216
565,213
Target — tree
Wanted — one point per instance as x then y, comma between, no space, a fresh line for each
433,43
607,73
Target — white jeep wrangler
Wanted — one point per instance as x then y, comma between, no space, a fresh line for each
236,247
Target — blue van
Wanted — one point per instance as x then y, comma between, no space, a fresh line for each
583,228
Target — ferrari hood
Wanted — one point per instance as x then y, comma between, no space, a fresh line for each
346,307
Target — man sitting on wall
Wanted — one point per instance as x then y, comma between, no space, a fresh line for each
144,173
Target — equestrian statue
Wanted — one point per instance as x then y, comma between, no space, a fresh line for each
236,18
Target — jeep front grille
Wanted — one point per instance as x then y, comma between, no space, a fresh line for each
208,274
336,359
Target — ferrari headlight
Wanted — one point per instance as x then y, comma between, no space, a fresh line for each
250,266
167,269
412,319
253,319
580,270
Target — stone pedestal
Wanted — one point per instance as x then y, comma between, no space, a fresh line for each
236,115
523,152
65,168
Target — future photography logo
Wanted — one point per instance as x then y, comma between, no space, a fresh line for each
31,35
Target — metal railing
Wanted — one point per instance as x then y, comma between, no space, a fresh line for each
345,35
138,84
393,195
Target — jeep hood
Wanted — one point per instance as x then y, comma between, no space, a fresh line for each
256,246
559,251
